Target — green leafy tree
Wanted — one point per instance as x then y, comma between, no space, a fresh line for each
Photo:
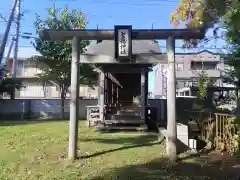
232,74
232,26
206,14
9,85
218,15
56,55
203,82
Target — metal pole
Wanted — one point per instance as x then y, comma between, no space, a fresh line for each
10,48
23,109
99,87
171,101
5,36
15,52
102,96
143,84
74,101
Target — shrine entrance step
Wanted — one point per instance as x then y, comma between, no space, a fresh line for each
133,112
137,121
126,117
112,127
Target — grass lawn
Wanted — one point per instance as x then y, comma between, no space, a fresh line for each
38,151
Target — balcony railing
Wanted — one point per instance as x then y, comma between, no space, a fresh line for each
195,73
29,73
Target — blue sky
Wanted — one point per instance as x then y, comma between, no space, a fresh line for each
102,13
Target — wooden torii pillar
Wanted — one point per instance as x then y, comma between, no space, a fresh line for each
141,34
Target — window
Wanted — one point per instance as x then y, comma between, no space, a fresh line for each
186,84
209,65
179,67
196,65
25,67
164,82
31,91
194,83
180,84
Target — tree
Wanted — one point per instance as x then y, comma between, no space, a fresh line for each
9,85
203,83
204,14
232,74
232,26
219,15
56,55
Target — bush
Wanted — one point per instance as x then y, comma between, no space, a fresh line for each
232,137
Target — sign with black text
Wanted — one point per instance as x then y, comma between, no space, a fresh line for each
123,42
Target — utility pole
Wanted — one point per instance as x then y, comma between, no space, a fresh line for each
15,52
5,36
10,48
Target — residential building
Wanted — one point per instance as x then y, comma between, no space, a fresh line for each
28,68
188,67
33,88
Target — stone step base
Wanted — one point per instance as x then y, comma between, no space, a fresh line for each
125,121
124,128
129,112
125,117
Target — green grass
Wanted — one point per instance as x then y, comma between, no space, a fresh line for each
38,151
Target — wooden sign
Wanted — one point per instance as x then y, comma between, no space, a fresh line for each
123,42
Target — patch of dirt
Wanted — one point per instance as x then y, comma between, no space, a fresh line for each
215,165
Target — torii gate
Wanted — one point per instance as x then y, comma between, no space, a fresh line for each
170,35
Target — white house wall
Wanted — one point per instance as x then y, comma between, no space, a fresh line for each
184,70
27,70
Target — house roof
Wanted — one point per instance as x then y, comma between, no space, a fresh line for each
198,52
107,47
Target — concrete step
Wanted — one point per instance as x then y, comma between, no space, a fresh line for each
129,112
125,116
131,108
124,128
126,121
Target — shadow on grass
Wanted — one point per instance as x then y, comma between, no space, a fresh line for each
134,140
160,169
143,144
28,122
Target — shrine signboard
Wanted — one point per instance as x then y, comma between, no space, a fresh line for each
123,42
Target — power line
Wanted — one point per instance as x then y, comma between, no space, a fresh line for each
161,3
125,3
149,3
107,17
177,47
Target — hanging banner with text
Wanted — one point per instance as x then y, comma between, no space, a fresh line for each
123,42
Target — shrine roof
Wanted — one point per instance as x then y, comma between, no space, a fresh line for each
107,47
